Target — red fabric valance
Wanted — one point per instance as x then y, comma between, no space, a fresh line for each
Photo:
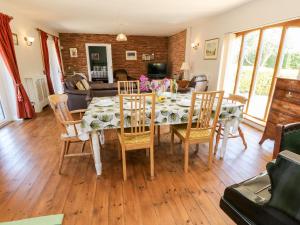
7,52
44,37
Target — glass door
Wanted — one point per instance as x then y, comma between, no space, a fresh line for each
247,63
290,60
263,75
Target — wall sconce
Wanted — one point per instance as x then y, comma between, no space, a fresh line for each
195,45
29,40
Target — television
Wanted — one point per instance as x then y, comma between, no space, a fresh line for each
157,70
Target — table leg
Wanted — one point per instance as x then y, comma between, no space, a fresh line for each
96,150
227,126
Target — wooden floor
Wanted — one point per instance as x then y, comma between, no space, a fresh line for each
30,185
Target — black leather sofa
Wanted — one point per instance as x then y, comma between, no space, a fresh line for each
272,197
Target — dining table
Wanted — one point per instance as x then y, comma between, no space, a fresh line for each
104,113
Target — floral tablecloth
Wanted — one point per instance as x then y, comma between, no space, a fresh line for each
168,112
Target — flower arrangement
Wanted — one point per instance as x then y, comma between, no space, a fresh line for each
144,83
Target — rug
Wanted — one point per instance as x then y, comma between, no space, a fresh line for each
43,220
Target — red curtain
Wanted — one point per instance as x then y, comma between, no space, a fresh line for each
44,37
8,54
58,56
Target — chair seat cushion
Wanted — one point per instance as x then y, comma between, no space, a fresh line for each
83,136
194,134
246,203
136,140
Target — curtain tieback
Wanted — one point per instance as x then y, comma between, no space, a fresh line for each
19,94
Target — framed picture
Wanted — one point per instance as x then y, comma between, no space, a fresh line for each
73,53
131,55
15,39
95,56
211,48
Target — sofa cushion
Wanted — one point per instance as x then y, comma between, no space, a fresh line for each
85,84
80,86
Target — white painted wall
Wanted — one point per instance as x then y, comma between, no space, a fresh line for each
251,15
29,57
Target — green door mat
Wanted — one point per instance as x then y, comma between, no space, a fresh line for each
43,220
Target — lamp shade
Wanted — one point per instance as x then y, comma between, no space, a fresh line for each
185,66
121,37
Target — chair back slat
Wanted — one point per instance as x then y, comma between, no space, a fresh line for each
129,87
205,104
135,120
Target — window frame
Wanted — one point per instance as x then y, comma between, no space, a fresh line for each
285,26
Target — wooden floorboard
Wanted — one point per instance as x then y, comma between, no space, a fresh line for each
31,186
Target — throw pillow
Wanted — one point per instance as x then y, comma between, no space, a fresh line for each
85,84
80,86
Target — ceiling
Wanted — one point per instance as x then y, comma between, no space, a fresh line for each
139,17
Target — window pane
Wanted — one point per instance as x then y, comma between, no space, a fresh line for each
247,64
290,61
265,70
234,51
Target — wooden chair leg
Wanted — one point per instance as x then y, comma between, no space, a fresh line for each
124,164
243,137
186,156
68,147
151,162
210,152
172,141
119,151
218,136
82,147
158,134
62,154
197,148
91,146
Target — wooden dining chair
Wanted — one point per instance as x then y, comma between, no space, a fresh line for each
69,127
129,87
203,117
137,126
220,126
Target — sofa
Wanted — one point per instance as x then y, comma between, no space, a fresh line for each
272,197
77,99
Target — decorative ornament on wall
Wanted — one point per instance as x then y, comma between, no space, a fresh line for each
73,53
131,55
211,48
121,37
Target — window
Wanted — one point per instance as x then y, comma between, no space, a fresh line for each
256,58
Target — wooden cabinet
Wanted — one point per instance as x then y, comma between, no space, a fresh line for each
285,106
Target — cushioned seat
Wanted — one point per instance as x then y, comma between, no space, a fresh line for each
140,139
194,134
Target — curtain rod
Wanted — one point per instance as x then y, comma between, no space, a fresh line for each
47,33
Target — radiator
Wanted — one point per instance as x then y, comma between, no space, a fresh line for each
37,90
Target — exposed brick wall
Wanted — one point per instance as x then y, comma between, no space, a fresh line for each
141,44
176,52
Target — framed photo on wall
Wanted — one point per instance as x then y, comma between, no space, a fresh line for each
73,53
131,55
211,48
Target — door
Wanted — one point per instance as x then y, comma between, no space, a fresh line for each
99,62
55,71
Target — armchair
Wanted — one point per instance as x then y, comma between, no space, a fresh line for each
287,137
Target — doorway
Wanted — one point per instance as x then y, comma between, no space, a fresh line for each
99,62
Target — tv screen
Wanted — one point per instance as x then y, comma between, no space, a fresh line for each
157,69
